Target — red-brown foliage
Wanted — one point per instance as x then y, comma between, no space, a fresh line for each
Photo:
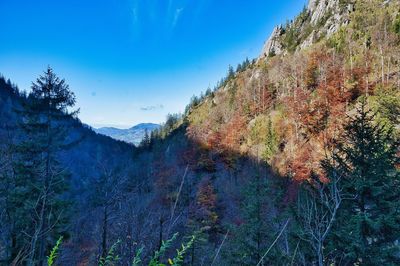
233,132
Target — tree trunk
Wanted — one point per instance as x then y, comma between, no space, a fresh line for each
104,235
13,252
382,65
320,255
192,260
160,233
38,230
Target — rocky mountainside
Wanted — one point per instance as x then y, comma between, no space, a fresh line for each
266,157
133,135
280,120
321,18
288,86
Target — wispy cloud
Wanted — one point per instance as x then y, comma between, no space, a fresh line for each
152,107
134,5
135,16
177,14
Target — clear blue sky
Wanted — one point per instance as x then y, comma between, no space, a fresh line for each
132,61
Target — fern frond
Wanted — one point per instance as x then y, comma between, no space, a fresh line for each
137,260
164,246
110,258
180,253
54,252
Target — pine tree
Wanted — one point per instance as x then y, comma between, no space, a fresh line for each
239,68
369,222
271,142
40,211
250,239
146,139
231,73
7,186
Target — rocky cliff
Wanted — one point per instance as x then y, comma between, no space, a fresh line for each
319,19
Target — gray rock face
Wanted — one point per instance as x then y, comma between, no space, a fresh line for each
319,9
309,41
312,5
332,13
274,44
325,16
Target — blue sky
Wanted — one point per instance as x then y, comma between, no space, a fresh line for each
132,61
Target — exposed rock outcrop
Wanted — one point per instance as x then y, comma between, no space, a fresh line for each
320,18
274,44
331,14
312,5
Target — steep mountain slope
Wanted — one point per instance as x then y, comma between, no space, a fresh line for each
85,158
132,135
301,96
277,121
243,168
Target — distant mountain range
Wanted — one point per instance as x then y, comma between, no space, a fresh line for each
132,135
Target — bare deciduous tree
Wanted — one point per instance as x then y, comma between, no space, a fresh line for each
318,208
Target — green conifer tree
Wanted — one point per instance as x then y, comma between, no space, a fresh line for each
271,142
251,238
145,142
369,220
40,211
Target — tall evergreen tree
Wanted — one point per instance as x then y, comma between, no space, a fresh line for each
255,232
145,142
271,142
369,220
7,186
40,211
231,73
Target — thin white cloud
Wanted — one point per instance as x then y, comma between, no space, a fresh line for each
135,15
177,14
152,107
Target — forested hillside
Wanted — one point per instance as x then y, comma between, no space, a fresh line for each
132,135
292,159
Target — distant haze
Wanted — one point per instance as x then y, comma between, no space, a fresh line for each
133,135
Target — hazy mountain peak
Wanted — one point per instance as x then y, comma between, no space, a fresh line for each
148,126
132,135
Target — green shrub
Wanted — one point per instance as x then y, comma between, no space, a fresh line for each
396,25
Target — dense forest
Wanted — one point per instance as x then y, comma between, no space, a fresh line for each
292,159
